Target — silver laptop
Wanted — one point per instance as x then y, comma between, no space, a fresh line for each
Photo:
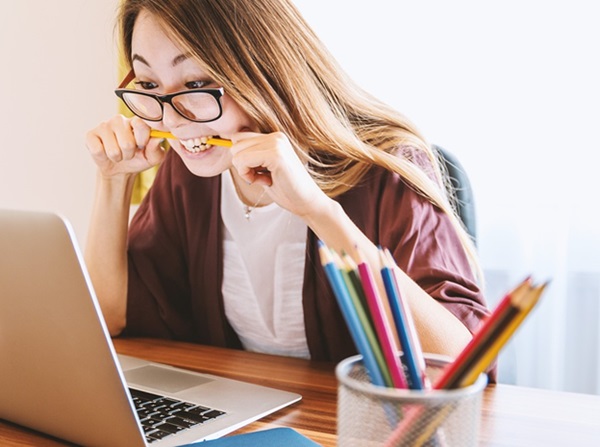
59,373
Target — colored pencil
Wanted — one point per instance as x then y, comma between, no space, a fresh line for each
350,316
212,141
526,304
420,427
504,312
354,290
417,427
381,323
352,270
413,373
401,306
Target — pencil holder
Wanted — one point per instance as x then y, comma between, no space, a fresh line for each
370,415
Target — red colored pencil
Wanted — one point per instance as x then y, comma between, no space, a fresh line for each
504,312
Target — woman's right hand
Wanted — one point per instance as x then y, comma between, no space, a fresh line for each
122,146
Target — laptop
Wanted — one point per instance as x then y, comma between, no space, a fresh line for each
60,374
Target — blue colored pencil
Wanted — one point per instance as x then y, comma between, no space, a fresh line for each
409,357
412,331
350,316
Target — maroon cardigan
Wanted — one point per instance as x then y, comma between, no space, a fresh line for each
176,260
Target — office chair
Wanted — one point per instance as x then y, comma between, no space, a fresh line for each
461,187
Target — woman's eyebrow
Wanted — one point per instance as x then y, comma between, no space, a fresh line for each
137,57
179,59
176,61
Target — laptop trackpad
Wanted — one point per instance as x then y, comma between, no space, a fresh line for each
164,379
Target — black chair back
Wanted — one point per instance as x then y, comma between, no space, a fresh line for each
461,187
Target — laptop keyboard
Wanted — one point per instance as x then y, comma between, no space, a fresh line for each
162,416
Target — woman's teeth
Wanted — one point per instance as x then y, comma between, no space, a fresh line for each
195,145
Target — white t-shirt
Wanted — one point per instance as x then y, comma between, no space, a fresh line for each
263,275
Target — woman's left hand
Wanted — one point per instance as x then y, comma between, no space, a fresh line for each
270,160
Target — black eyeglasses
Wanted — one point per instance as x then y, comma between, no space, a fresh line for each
201,105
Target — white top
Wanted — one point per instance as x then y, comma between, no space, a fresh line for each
263,275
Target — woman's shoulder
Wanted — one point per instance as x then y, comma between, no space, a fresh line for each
378,178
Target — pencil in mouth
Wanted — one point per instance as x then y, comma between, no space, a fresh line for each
208,142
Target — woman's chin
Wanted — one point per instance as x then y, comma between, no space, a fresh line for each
207,163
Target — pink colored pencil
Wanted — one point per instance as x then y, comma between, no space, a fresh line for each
382,325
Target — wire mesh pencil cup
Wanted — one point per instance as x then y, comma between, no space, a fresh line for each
370,416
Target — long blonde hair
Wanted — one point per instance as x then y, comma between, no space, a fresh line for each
272,64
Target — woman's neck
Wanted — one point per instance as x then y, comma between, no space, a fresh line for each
251,195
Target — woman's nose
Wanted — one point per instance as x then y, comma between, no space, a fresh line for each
171,118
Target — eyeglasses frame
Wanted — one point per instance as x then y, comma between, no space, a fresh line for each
216,93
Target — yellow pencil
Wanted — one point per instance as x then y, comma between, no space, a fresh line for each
212,141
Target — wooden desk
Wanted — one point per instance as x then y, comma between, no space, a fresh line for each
512,416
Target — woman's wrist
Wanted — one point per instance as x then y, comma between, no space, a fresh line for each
117,180
115,188
322,216
334,227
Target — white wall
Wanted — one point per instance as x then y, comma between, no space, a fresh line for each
56,82
510,87
513,89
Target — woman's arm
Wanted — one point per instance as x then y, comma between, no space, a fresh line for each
290,185
439,330
121,148
106,248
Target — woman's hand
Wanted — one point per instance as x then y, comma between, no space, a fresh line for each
123,146
270,160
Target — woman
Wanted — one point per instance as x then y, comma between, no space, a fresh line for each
223,249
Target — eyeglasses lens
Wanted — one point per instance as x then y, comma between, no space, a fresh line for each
197,106
143,106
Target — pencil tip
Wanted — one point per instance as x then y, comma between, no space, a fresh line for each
383,258
324,253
